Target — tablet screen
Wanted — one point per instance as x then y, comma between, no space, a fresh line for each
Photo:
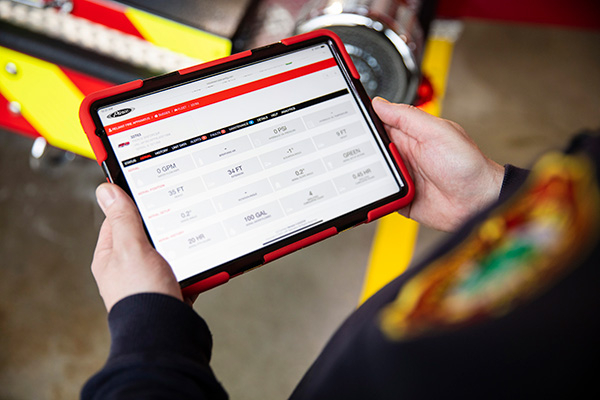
231,163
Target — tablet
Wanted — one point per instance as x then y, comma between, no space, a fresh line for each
239,161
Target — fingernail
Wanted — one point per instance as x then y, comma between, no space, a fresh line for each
378,98
105,196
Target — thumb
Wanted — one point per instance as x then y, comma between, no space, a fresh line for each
122,215
406,118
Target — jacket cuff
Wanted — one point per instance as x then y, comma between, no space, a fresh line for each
514,177
157,323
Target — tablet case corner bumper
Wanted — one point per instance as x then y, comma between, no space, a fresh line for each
87,122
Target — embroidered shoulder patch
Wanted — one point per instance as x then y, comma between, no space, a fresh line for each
524,246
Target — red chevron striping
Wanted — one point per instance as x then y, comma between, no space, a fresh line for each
85,83
106,13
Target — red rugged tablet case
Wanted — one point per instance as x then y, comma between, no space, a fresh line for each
222,277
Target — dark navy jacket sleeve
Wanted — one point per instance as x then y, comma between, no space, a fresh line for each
160,349
514,177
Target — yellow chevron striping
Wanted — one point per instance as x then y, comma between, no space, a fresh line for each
179,38
49,100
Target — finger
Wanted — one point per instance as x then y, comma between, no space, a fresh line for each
105,242
406,118
103,247
122,215
190,299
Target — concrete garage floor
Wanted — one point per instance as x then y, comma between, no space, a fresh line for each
518,90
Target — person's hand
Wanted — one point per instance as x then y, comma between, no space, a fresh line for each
453,178
125,262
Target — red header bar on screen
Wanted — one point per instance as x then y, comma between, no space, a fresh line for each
187,106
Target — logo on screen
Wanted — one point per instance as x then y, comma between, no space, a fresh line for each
120,113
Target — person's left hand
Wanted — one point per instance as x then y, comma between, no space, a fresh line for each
125,263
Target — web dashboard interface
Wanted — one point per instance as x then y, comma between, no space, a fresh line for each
226,165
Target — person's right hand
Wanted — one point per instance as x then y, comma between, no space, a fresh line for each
453,178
